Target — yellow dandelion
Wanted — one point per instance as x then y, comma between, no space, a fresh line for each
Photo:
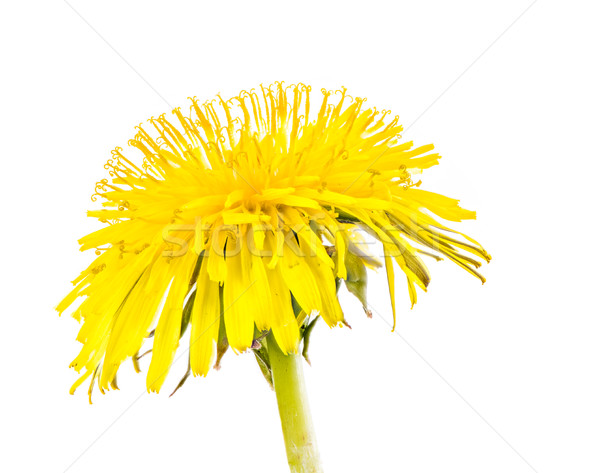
240,218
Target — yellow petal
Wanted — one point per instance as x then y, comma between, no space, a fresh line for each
299,278
167,333
282,320
389,269
205,320
239,323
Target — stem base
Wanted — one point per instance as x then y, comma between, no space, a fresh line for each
294,411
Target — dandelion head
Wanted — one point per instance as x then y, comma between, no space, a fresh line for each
241,217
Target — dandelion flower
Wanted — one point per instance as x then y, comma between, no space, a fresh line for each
239,220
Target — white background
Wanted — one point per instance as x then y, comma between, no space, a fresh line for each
477,378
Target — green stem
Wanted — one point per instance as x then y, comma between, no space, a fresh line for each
296,422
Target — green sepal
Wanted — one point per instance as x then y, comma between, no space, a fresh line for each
187,313
356,280
305,332
262,358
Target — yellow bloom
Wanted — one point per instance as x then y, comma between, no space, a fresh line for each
241,217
